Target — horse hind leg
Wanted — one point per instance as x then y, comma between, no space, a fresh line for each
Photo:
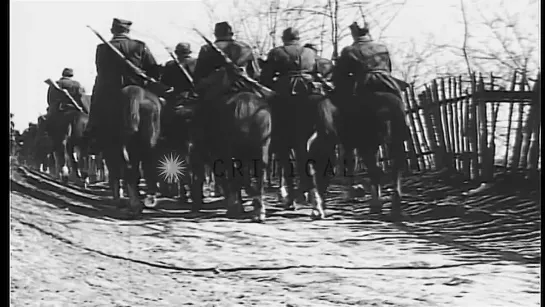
257,202
399,161
286,180
369,159
61,170
233,185
150,175
131,163
74,157
113,162
259,214
197,174
316,196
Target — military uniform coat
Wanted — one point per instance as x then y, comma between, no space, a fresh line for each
174,77
288,69
113,74
58,100
240,53
364,66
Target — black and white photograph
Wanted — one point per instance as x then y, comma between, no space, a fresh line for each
291,153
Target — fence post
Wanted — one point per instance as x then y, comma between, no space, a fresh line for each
443,105
492,147
483,127
425,141
528,129
426,105
533,152
473,135
517,147
412,142
509,124
438,125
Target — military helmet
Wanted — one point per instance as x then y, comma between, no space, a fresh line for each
223,29
121,25
290,34
68,72
183,48
356,30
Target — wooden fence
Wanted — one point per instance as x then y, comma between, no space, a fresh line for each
474,127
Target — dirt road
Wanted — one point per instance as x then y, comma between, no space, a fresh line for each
69,248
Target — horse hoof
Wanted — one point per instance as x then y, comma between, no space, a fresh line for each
150,201
234,213
86,183
289,206
397,215
135,214
119,204
65,171
259,218
375,212
317,214
136,210
303,199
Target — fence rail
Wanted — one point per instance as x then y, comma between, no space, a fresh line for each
474,127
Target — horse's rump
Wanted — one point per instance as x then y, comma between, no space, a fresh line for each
327,115
140,113
219,83
251,116
389,107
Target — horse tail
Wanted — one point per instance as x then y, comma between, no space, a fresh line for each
133,95
326,117
400,133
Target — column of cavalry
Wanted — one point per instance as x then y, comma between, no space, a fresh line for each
230,116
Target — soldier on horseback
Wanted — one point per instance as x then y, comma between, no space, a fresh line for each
325,66
209,62
58,101
291,71
215,81
174,77
113,74
290,68
365,66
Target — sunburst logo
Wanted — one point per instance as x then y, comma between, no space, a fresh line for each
172,167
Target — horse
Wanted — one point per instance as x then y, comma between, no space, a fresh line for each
308,128
65,129
305,127
369,120
128,137
233,137
175,140
43,147
28,137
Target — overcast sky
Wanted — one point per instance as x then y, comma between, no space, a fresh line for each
47,36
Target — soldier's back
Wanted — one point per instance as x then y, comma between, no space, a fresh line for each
190,64
293,58
131,48
67,83
372,55
239,52
110,68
